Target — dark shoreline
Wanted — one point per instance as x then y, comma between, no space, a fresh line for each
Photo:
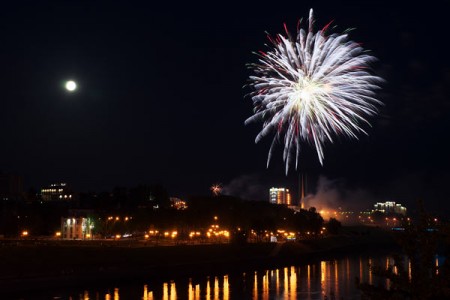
34,268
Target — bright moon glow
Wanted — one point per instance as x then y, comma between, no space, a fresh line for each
71,86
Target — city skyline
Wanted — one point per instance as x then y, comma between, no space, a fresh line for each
159,99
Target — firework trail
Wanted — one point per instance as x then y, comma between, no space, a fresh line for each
312,89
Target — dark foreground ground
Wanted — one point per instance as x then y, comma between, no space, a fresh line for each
40,265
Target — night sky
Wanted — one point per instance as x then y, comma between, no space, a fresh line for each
161,98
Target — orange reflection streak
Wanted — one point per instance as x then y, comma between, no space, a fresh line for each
409,269
216,288
116,294
286,283
145,297
370,270
255,286
293,284
265,286
323,270
190,290
437,266
309,279
336,277
277,281
387,266
208,289
323,273
165,291
86,295
197,292
107,296
173,291
148,295
226,288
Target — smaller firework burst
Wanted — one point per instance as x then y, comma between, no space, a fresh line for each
216,189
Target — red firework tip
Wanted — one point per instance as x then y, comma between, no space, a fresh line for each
325,28
285,28
358,68
280,126
262,53
298,25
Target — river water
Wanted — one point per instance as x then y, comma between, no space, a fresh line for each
326,279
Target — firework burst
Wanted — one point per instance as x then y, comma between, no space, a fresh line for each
216,189
311,89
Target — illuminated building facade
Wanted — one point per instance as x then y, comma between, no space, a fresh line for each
390,207
177,203
76,228
56,192
280,196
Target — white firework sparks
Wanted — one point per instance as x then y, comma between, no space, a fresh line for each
311,89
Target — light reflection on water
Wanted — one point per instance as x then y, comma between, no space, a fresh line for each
334,279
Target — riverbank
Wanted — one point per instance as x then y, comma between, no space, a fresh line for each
37,266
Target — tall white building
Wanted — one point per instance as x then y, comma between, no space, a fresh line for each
280,196
390,207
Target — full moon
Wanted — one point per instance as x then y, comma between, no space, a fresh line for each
71,85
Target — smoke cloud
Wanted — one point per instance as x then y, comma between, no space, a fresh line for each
248,187
335,195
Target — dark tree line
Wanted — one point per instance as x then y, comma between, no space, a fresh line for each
141,208
44,217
